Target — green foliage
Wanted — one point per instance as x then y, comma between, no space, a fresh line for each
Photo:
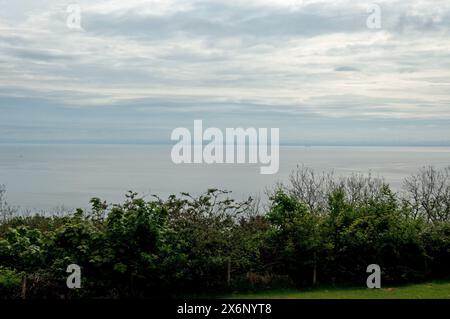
187,244
374,232
295,237
22,248
10,282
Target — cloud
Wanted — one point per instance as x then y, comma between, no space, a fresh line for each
38,55
346,69
290,59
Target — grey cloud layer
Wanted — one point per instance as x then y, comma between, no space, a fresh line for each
174,60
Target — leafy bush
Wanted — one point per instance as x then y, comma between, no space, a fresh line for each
10,283
314,231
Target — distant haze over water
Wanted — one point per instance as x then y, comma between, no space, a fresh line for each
46,176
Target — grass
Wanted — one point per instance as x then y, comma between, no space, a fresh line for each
430,290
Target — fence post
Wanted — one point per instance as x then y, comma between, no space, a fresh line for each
24,287
315,275
229,271
315,270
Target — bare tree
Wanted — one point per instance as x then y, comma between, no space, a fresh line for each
313,189
310,188
427,194
270,192
360,188
6,210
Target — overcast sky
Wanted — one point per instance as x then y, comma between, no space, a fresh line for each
138,69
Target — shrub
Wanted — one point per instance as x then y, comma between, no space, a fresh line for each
10,283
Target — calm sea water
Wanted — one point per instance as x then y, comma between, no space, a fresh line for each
46,176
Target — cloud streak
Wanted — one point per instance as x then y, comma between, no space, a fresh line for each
174,60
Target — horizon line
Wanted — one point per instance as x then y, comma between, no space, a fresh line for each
300,144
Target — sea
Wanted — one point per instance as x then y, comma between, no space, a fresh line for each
47,177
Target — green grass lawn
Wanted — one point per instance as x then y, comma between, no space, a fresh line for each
430,290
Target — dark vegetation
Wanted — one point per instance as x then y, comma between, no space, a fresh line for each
317,229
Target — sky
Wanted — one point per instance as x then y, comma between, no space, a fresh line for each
136,70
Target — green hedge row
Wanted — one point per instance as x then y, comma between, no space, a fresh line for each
211,244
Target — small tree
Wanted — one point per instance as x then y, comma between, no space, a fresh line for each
311,188
6,210
427,194
296,236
